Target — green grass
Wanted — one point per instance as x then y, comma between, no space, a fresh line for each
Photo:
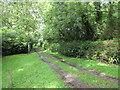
28,71
83,76
108,69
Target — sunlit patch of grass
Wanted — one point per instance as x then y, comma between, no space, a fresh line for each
28,71
83,76
102,64
108,69
20,70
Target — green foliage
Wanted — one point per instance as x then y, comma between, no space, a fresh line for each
45,45
71,49
70,21
11,47
100,50
66,27
54,47
18,28
11,43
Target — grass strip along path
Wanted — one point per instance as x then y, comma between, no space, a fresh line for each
96,65
93,72
28,71
83,76
68,78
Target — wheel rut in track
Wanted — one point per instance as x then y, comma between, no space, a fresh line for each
68,78
92,72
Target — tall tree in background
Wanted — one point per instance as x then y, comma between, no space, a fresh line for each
28,23
98,11
19,22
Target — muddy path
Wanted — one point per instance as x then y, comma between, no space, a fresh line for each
69,79
92,72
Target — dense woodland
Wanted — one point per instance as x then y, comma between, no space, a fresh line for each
75,29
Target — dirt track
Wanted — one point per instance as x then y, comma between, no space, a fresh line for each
68,78
92,72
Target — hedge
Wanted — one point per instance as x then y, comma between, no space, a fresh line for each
95,50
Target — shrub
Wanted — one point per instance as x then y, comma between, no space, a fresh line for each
54,47
10,47
96,50
45,45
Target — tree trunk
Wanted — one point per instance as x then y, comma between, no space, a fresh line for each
88,28
30,46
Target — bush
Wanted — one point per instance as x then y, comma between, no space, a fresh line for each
10,47
54,47
95,50
73,49
45,45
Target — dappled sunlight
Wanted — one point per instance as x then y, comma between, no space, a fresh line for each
44,44
29,71
103,74
56,61
20,69
74,69
28,64
35,86
89,65
52,85
69,75
102,64
91,70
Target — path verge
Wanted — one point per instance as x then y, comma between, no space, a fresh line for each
92,72
68,78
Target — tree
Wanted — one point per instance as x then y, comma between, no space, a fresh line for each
20,23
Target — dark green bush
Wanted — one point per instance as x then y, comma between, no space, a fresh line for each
95,50
54,47
9,48
45,45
